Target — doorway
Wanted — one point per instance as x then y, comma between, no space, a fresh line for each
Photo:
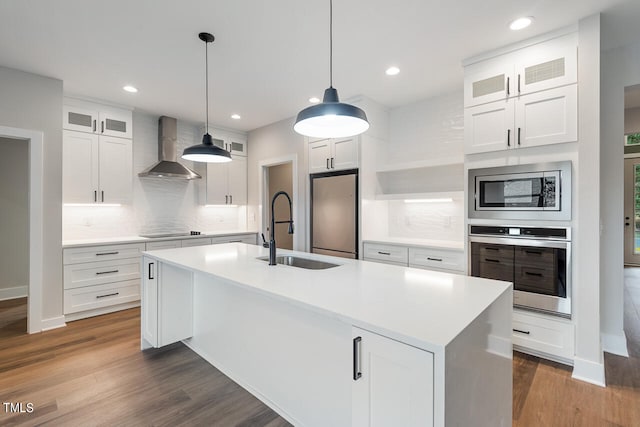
279,178
32,142
632,175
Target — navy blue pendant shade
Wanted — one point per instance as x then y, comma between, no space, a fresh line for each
206,152
331,119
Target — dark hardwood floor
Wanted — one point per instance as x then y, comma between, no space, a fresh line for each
93,373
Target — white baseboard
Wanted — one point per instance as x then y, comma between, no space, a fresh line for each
615,344
13,293
53,323
589,371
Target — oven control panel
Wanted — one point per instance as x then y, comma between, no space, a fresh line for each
560,233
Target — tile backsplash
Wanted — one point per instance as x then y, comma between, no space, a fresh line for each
159,205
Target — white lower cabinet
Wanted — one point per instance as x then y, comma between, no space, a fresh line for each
200,241
440,259
543,335
393,382
388,254
101,279
167,303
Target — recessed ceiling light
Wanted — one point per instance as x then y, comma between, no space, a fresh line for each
314,100
521,23
130,89
392,71
235,116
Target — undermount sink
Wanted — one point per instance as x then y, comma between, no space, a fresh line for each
294,261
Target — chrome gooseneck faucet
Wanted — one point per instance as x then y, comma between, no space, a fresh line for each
272,240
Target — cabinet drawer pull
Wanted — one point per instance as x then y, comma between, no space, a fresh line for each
150,271
492,260
533,252
521,331
508,137
491,248
235,241
107,272
384,253
357,369
434,259
108,295
528,273
107,253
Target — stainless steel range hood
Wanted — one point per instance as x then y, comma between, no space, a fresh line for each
168,167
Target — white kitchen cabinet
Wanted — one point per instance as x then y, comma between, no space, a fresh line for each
447,260
97,119
163,244
200,241
167,308
239,238
542,335
333,154
393,382
388,254
96,169
226,183
101,279
541,118
540,66
235,145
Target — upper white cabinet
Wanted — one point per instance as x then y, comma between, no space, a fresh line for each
97,119
393,382
523,98
233,143
96,169
226,183
333,154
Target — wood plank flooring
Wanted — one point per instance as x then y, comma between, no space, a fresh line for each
93,373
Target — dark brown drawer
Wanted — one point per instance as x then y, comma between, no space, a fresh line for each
534,279
495,252
495,270
535,256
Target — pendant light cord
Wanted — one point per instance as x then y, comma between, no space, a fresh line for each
206,80
331,43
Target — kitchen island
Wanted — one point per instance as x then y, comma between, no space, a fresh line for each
360,343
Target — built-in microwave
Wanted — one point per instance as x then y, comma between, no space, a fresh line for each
539,191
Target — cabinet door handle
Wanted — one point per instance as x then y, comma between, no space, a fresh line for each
230,199
492,260
108,295
508,91
521,331
107,253
384,253
150,275
327,163
95,195
434,259
95,125
102,195
508,137
518,83
102,126
519,136
332,163
106,272
357,354
226,199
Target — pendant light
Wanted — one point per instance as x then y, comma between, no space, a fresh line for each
331,118
206,152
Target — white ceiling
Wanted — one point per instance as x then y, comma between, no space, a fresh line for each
269,57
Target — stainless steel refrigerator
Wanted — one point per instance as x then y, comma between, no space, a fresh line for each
334,214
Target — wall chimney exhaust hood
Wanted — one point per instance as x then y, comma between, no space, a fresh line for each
167,166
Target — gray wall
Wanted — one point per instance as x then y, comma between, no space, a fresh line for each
14,211
34,102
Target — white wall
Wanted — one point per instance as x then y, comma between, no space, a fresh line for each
34,102
14,211
159,205
619,69
271,144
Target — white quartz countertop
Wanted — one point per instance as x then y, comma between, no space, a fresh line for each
140,239
423,308
421,243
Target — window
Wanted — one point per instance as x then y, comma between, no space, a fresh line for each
632,139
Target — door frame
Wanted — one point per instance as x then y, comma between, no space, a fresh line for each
263,185
624,199
34,301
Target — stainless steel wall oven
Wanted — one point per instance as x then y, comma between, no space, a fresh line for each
535,191
536,259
